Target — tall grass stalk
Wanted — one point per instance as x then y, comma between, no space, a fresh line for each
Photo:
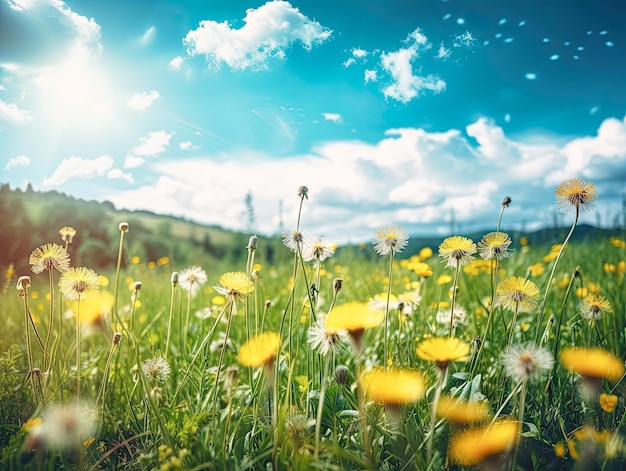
231,308
123,227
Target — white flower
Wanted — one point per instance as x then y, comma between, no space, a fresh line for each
325,342
65,427
390,238
156,369
191,279
318,250
296,239
443,316
527,362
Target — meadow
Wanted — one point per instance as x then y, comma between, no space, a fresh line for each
476,354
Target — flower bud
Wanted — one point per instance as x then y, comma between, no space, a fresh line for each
341,374
252,243
124,226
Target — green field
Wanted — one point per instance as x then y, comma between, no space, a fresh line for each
508,354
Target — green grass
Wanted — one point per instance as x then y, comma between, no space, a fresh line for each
184,422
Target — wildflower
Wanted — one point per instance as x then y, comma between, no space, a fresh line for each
422,269
425,252
235,285
524,363
23,283
457,251
319,250
592,362
324,341
476,267
575,193
156,369
174,278
593,305
259,350
78,283
477,445
459,316
65,427
393,386
494,245
506,201
443,350
298,430
303,192
517,293
49,256
461,411
95,309
353,317
296,239
559,450
67,234
390,239
608,402
123,227
253,242
191,279
443,279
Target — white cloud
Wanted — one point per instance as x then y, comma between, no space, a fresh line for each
18,161
176,63
334,117
147,37
153,144
404,83
370,76
188,145
132,161
11,113
413,177
443,52
117,174
143,100
77,167
268,32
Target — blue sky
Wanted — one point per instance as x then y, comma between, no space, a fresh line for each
401,111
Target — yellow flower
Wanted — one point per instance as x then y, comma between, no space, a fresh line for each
494,245
523,241
457,251
517,293
78,283
461,411
592,362
474,446
537,269
163,261
554,252
425,252
259,350
49,256
443,350
393,386
95,308
476,267
420,268
608,402
235,285
67,234
559,450
443,279
593,305
575,193
354,317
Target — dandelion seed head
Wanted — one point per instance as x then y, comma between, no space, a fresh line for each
295,239
78,283
390,238
575,193
124,227
528,363
49,256
67,234
191,279
324,341
156,369
319,250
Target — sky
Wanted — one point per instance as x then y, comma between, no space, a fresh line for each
424,114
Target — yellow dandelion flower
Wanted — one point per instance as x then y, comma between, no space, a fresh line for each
135,260
517,293
575,193
95,309
476,267
523,241
425,252
353,316
163,261
420,268
592,362
494,245
78,283
235,285
49,256
461,411
259,350
593,305
537,269
457,251
443,350
443,279
67,234
608,402
559,450
474,446
393,386
609,267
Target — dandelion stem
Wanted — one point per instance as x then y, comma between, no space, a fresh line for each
169,322
117,276
454,284
443,374
386,334
542,306
513,324
29,348
78,348
231,303
46,359
320,406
